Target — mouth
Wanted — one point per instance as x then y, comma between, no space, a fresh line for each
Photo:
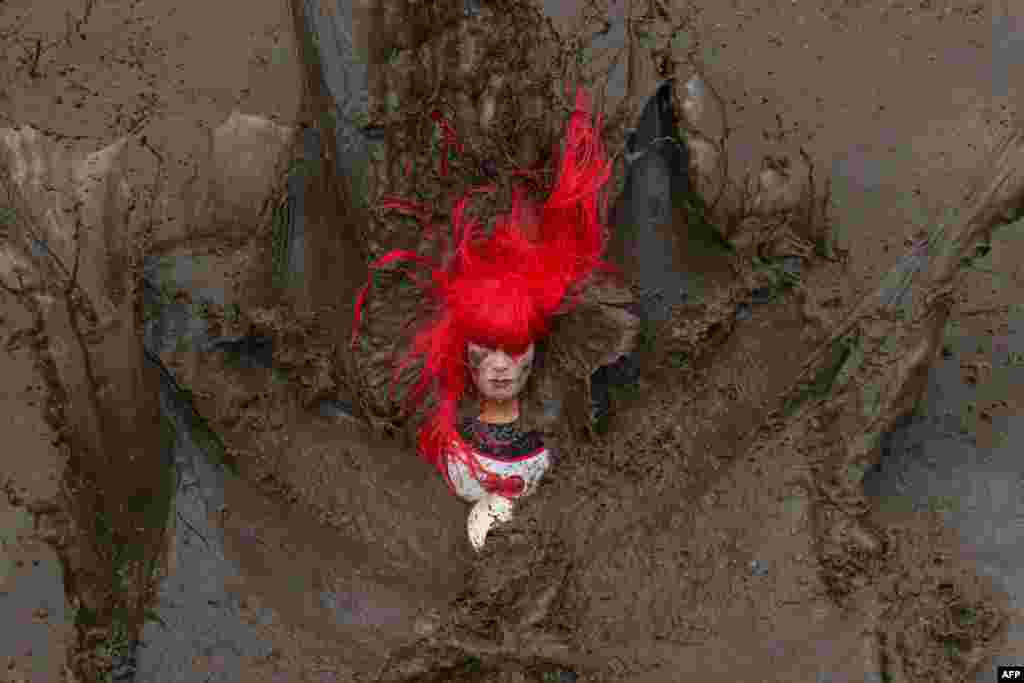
502,383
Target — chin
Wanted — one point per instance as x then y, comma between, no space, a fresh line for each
504,394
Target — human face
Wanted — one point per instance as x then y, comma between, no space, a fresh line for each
498,375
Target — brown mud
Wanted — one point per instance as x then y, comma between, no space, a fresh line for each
705,532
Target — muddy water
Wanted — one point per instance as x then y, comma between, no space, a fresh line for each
957,458
332,549
37,616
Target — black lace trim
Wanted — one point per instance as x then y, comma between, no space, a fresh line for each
501,441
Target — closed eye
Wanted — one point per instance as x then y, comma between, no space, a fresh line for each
478,354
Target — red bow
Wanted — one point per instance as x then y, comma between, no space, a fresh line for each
507,487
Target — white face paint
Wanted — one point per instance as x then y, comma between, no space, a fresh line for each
498,375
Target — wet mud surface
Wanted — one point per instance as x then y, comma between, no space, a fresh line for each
700,532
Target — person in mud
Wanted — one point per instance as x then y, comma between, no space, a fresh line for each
537,282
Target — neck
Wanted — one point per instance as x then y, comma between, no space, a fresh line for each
500,412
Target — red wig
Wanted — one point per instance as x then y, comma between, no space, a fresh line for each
502,291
